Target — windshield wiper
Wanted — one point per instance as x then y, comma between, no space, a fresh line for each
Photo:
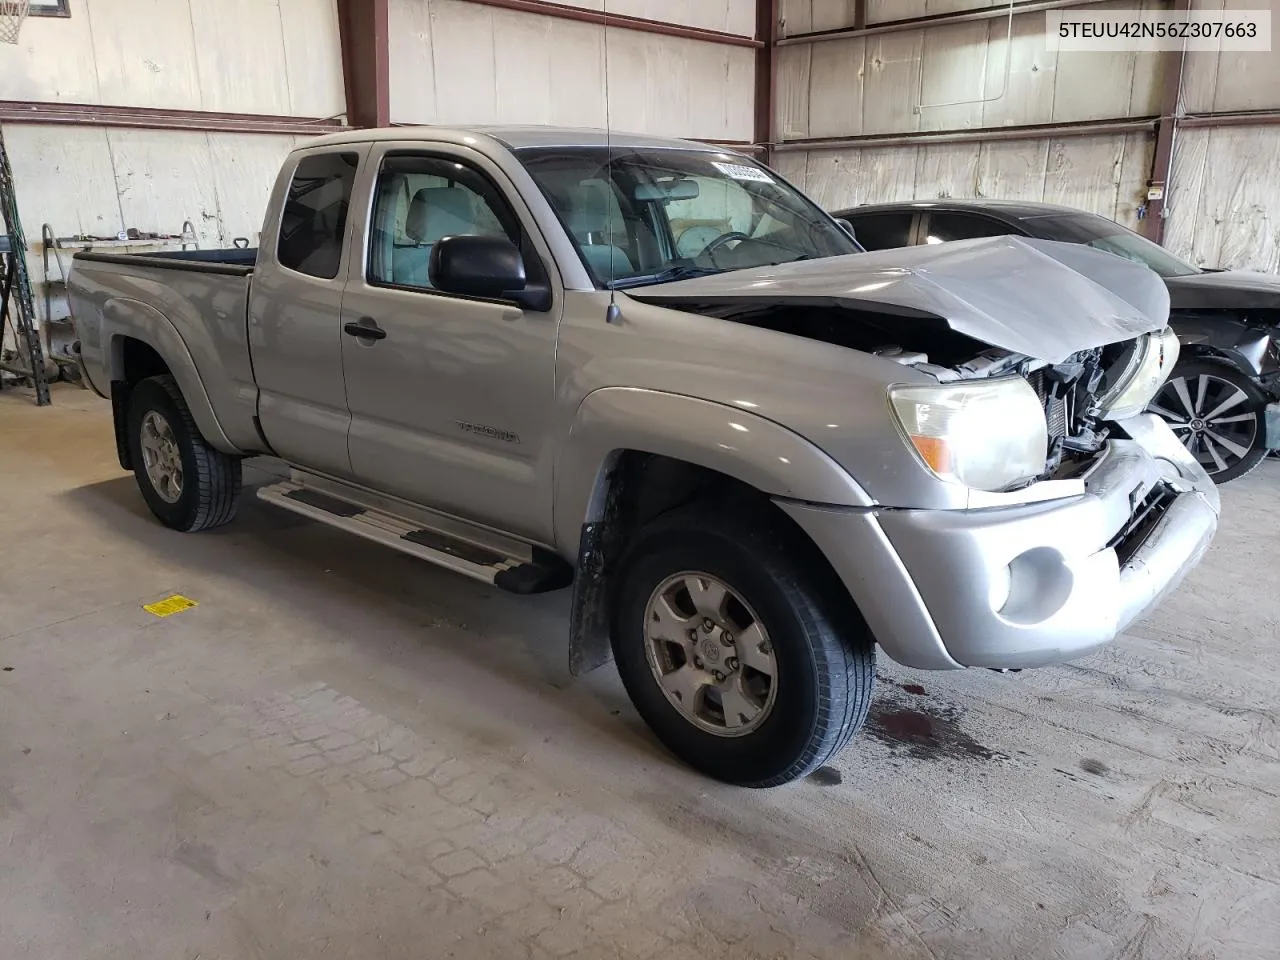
670,275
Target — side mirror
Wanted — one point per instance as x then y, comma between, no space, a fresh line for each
847,227
490,267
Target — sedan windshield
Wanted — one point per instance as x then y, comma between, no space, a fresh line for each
1103,234
654,215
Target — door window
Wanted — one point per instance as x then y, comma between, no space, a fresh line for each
314,220
882,231
421,200
943,227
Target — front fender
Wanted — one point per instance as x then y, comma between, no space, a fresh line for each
731,441
123,318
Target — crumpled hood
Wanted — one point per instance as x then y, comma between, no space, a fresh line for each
1040,298
1224,290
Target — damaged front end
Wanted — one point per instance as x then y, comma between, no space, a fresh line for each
1081,396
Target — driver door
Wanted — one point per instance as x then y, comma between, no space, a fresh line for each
451,397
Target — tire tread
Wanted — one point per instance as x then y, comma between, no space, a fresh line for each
218,475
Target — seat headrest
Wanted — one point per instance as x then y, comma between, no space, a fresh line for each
437,212
589,209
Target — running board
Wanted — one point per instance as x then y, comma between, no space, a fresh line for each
510,565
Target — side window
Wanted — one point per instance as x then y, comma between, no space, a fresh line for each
314,220
943,227
881,231
421,200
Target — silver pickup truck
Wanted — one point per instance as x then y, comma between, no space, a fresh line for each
654,371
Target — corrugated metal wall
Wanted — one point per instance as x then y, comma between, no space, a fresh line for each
1225,195
459,62
910,82
277,57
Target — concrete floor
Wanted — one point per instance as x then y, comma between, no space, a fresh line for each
343,752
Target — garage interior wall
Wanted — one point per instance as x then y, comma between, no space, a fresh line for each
277,58
888,85
456,61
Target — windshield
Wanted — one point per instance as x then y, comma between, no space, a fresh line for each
655,215
1103,234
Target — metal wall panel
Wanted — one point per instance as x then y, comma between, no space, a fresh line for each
250,56
53,61
1105,174
1226,189
485,64
952,77
728,16
1218,82
91,180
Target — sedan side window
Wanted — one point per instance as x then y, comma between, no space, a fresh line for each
882,231
943,227
419,201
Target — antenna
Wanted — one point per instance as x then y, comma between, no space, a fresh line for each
614,313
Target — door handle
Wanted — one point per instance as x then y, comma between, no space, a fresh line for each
364,329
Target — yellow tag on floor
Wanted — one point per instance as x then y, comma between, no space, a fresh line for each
169,605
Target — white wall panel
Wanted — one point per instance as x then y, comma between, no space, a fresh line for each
489,65
1218,82
150,63
837,69
248,56
1104,174
728,16
1224,209
952,77
312,57
52,60
96,181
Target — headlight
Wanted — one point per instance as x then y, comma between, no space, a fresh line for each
985,434
1141,376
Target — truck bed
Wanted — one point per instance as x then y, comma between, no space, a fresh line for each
191,308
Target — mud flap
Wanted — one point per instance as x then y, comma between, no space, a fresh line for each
589,622
119,415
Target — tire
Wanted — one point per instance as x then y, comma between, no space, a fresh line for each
823,654
209,481
1230,442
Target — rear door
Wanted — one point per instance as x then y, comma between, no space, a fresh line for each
295,307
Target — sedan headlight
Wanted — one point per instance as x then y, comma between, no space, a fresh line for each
1141,375
985,434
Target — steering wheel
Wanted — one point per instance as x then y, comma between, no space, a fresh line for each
710,249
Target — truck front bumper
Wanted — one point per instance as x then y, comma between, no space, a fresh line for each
1028,585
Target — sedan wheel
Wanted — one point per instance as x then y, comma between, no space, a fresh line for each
1217,413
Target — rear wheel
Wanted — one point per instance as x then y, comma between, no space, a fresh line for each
187,484
740,652
1218,413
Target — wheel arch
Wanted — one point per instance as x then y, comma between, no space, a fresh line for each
143,342
635,454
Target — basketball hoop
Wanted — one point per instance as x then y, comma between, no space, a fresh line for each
12,13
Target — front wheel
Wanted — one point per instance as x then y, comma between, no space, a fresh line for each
1218,413
738,650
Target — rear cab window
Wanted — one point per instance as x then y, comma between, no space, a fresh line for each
313,222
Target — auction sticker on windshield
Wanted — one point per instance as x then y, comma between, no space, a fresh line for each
740,171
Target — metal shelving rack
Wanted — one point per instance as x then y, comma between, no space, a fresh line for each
15,295
60,330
